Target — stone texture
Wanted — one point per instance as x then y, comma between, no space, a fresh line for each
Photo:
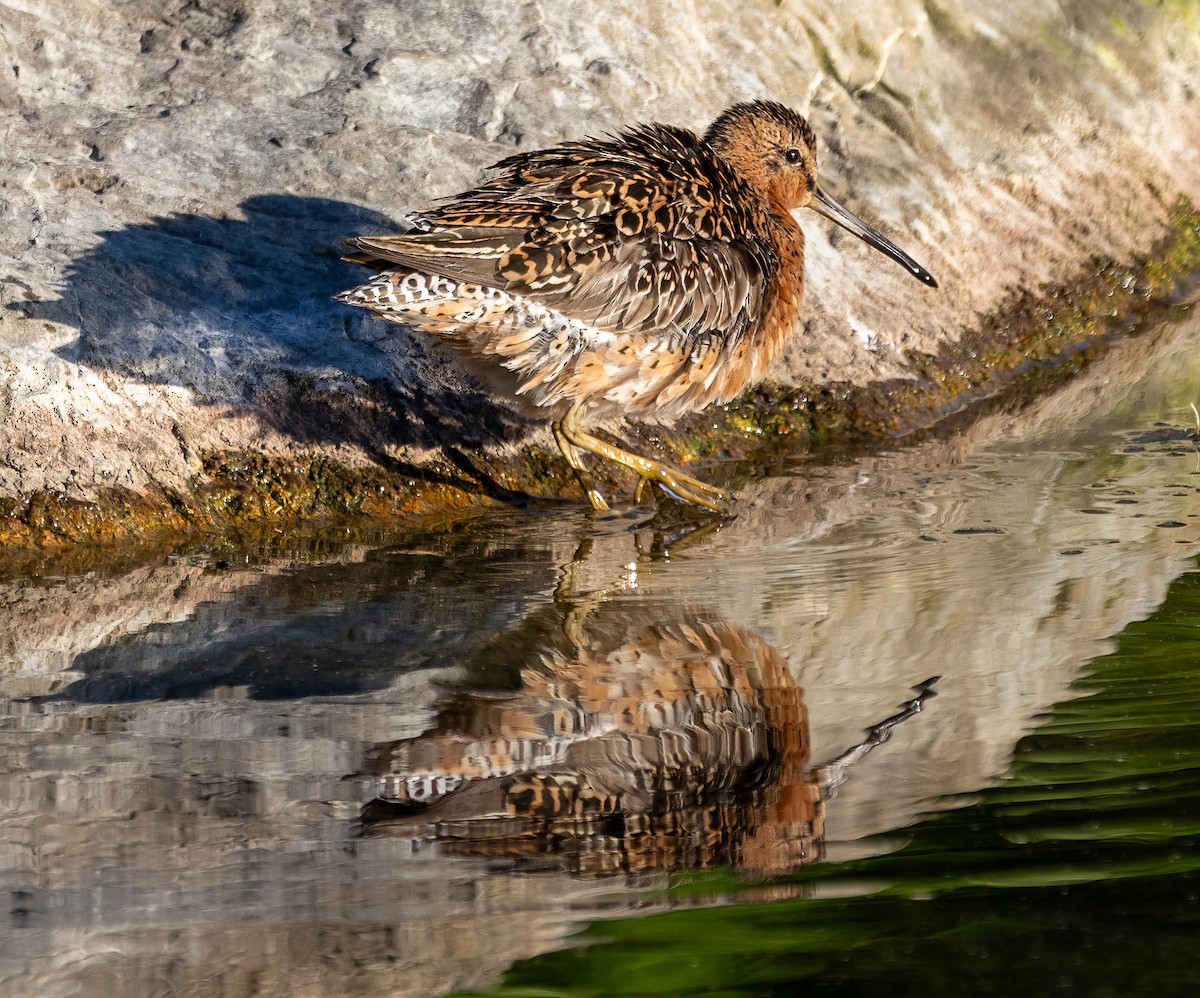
174,178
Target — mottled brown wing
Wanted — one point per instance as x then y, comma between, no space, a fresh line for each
640,234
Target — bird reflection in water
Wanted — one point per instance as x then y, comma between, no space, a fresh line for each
610,736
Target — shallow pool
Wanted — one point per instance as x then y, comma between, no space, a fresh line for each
925,721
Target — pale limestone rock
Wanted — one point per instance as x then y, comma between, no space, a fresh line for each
174,180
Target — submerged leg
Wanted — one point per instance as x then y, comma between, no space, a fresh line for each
672,479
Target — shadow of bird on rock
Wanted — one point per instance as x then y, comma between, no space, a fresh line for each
239,311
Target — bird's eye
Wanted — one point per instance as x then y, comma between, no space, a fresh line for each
792,155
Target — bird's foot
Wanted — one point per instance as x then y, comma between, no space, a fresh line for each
674,484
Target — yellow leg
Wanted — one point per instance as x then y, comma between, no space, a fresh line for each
575,460
674,481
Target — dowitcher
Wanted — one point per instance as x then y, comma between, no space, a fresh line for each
649,274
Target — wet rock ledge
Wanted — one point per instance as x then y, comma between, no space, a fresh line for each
174,179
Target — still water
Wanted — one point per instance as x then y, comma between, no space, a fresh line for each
926,721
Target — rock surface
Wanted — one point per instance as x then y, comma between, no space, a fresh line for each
174,179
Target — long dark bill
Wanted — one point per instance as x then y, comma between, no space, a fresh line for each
828,207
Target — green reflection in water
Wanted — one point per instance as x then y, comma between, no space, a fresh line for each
1079,873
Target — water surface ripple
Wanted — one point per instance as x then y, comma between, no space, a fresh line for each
404,768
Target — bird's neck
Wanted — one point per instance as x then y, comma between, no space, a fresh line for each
787,284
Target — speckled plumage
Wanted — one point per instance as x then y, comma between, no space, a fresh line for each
649,274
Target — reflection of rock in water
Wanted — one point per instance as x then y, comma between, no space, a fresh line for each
651,738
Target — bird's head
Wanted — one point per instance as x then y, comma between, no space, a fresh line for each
773,149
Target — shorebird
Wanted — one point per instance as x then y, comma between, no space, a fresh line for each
648,274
